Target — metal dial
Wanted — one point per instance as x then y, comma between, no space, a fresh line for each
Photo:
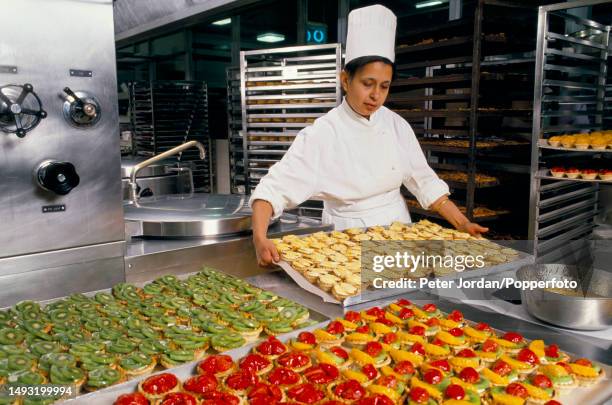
20,109
81,109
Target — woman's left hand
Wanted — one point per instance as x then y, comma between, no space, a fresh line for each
473,228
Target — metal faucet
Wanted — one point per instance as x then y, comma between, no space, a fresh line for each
157,158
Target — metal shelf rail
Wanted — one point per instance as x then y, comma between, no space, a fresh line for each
282,91
569,96
608,97
166,114
234,127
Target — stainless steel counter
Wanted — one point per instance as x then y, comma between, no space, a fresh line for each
581,344
149,258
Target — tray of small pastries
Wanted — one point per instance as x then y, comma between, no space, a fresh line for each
401,353
481,212
465,143
461,178
301,120
96,340
583,173
297,82
329,264
292,101
600,141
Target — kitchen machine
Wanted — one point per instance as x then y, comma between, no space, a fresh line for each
60,191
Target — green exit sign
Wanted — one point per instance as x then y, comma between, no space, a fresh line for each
316,33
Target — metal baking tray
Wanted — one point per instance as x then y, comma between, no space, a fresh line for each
374,295
523,259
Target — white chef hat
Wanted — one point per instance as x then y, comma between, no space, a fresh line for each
371,32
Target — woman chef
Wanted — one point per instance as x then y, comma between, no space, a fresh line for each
355,157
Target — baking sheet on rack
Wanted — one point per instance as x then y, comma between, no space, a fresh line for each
373,295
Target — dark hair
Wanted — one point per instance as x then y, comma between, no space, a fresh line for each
353,66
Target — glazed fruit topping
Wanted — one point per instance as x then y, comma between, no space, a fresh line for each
455,391
456,316
373,348
527,356
466,353
552,351
483,327
335,328
540,380
419,395
489,346
307,337
456,332
501,368
404,367
433,376
513,337
469,375
517,390
352,316
418,348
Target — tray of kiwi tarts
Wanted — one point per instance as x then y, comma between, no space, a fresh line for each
99,339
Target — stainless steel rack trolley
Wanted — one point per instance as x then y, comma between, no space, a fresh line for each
284,90
570,83
166,114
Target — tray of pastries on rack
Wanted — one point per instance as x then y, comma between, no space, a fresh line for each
286,83
292,101
299,120
465,143
462,177
271,138
584,173
479,212
597,140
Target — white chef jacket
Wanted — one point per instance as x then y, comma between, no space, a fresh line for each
356,166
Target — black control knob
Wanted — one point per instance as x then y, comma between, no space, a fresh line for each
57,177
80,108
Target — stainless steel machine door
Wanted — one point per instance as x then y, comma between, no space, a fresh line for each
61,47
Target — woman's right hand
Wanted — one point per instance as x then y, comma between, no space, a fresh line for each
266,251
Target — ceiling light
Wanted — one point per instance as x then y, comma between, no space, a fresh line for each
225,21
428,4
270,37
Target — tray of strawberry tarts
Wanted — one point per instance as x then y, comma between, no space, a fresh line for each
399,354
584,174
